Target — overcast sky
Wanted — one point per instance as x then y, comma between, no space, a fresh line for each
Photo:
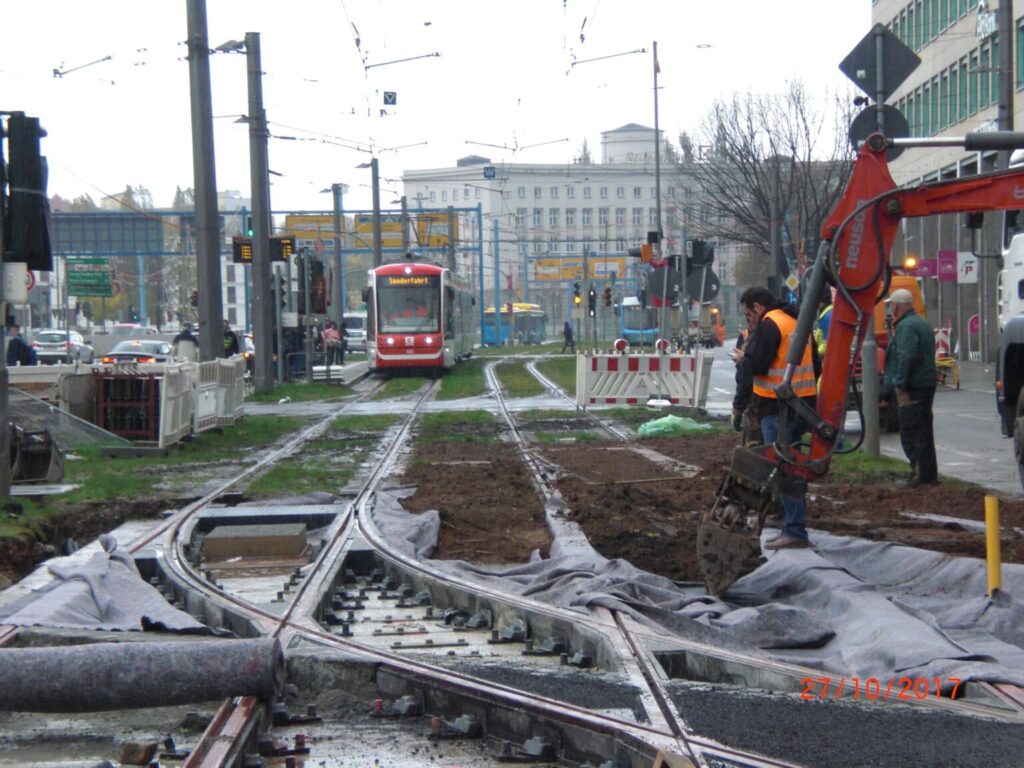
505,76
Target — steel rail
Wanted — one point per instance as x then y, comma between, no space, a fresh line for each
299,621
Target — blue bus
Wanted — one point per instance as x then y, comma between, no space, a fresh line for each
527,324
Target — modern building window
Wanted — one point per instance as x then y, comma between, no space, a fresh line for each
943,100
638,192
523,247
602,217
537,213
652,218
620,245
231,274
972,84
620,192
521,193
520,218
638,216
620,217
570,191
570,217
554,217
233,316
570,245
433,196
654,193
585,246
444,195
538,246
537,192
476,193
554,193
983,69
603,192
670,192
670,219
586,190
585,214
232,293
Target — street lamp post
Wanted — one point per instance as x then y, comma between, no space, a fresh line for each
339,296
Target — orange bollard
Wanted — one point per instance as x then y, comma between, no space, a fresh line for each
992,555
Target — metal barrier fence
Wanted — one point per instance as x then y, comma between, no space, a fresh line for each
625,379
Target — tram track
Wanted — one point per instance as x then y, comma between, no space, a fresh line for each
667,730
582,735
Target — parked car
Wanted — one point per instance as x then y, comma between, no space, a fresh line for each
53,346
139,351
355,331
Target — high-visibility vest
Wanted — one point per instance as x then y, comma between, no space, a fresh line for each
803,375
819,332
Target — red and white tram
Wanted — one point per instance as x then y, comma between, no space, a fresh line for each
419,317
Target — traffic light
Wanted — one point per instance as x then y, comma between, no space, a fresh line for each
576,298
280,287
645,253
702,255
248,226
607,295
592,301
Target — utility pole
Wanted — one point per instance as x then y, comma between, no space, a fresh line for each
339,295
262,309
378,256
452,264
211,309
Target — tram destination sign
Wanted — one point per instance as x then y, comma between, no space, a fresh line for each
89,276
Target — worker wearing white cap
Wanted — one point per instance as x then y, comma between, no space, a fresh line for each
911,377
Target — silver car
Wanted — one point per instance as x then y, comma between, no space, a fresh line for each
53,347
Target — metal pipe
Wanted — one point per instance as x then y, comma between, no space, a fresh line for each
109,676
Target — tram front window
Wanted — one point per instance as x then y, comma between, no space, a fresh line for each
409,309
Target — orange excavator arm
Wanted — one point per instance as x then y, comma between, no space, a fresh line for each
854,257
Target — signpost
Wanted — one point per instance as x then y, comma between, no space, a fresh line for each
89,276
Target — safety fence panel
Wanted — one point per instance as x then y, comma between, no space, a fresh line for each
616,379
176,404
206,384
230,390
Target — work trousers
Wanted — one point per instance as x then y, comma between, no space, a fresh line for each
794,515
917,436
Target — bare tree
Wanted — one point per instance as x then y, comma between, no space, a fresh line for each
764,159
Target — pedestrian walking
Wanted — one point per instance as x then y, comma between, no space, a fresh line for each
18,350
569,338
765,357
185,346
231,346
911,378
332,344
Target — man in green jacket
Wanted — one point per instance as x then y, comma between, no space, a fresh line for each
910,377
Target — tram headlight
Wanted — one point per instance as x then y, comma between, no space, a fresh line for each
390,341
428,340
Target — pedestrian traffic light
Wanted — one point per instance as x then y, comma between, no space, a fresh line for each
576,298
248,226
592,301
607,295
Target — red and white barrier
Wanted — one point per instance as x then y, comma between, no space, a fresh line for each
618,379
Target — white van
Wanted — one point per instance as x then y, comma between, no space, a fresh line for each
355,328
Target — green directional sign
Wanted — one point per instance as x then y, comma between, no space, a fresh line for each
89,277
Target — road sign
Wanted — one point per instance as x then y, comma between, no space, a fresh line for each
489,172
898,61
792,282
89,276
706,279
390,98
866,123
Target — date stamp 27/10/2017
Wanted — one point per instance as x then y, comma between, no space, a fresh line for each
873,689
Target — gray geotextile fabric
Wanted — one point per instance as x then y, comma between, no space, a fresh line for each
106,592
849,606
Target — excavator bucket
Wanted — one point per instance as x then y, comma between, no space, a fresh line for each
35,457
728,540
